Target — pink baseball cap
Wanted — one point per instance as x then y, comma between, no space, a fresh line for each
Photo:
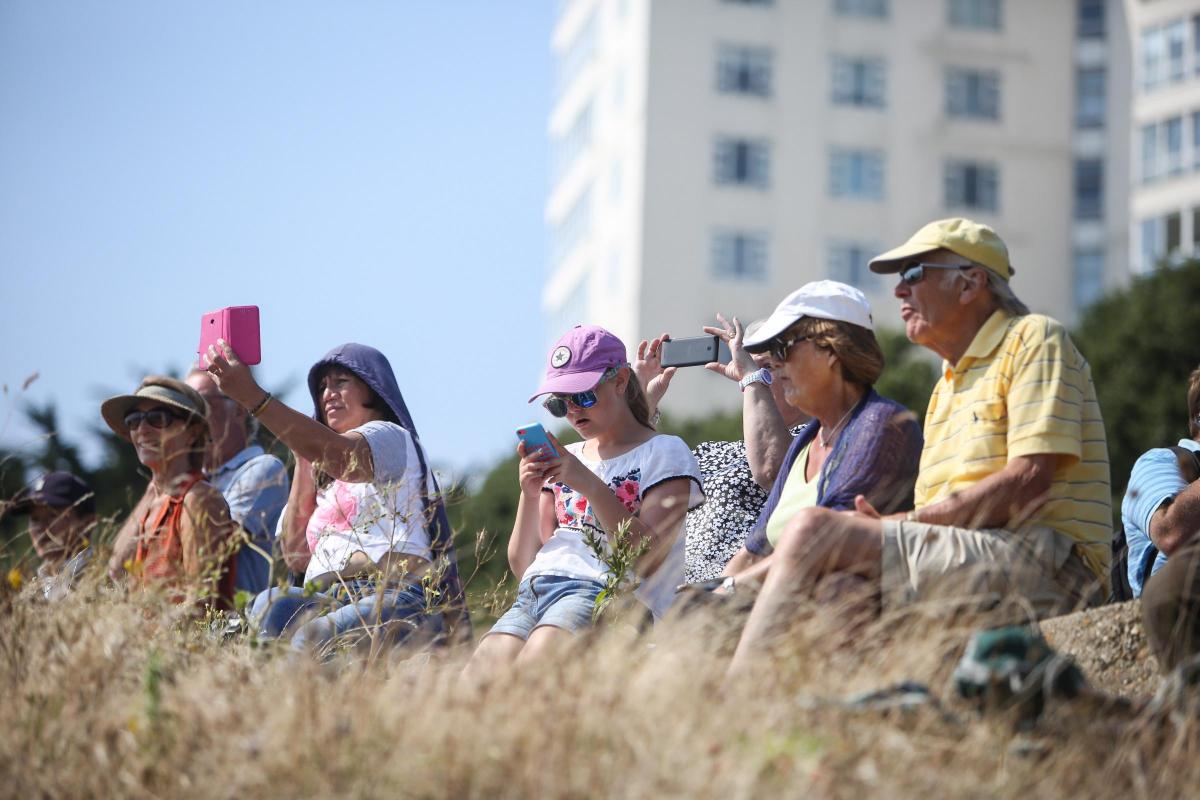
578,360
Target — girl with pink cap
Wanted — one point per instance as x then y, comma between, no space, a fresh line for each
622,473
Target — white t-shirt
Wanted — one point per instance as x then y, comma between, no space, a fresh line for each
379,517
629,475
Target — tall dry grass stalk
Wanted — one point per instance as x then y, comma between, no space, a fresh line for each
110,695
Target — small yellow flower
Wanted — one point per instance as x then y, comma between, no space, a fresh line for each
15,579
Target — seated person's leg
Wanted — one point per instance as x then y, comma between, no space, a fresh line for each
816,543
394,613
984,570
278,610
1171,608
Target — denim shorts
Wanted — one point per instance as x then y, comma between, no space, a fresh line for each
565,603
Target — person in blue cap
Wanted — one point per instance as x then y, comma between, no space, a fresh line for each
62,516
364,521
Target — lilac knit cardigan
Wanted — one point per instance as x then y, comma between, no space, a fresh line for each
876,455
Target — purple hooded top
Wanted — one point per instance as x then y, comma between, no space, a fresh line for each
372,367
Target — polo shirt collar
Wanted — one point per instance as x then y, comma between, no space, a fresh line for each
253,451
987,339
1190,444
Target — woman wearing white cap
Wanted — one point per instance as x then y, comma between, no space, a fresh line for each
821,349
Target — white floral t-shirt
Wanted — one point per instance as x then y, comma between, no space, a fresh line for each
629,475
382,516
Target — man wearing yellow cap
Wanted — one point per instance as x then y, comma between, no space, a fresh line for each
1012,497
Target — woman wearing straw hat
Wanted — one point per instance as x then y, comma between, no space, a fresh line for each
180,535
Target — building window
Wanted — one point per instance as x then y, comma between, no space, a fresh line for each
1091,19
1196,230
861,8
848,264
1089,277
1151,247
973,94
1089,188
739,255
859,81
1196,140
1090,97
1173,140
972,185
1153,52
975,14
741,162
1173,227
1163,49
744,70
1149,152
1161,239
856,174
749,2
1162,149
1196,42
1176,47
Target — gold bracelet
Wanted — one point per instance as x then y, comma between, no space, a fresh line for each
258,409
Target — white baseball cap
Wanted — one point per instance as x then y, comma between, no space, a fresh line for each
821,300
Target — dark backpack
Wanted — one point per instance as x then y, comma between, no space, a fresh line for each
1189,468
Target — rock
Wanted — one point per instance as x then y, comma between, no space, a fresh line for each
1109,646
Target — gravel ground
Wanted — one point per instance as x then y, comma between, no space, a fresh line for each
1109,646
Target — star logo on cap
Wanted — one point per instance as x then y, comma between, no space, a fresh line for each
560,357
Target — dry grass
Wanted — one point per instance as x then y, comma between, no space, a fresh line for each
114,696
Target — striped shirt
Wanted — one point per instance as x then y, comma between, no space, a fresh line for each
1022,388
1154,481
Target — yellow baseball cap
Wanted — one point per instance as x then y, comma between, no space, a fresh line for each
969,239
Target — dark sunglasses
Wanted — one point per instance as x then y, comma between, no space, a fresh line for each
780,346
914,272
156,418
556,404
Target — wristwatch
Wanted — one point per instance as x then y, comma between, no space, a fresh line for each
762,376
729,585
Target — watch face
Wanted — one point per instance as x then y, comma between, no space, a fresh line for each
767,377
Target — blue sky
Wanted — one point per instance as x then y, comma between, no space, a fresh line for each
362,171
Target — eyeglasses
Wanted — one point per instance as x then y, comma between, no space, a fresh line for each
914,272
556,404
156,418
780,346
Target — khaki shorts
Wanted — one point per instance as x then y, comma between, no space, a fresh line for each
1037,566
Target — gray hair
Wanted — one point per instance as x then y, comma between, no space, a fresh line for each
1006,300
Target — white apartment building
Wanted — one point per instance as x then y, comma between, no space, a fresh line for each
714,155
1165,192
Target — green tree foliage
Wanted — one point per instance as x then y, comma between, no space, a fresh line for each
1141,343
910,374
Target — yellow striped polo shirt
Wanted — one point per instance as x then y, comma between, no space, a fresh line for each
1022,388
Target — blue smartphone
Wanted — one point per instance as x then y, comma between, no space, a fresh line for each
534,437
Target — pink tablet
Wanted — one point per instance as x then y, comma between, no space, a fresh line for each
237,325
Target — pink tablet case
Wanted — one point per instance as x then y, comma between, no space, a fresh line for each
237,325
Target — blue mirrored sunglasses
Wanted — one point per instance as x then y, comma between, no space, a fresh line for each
914,272
556,404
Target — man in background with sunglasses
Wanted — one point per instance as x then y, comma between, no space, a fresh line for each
1012,495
